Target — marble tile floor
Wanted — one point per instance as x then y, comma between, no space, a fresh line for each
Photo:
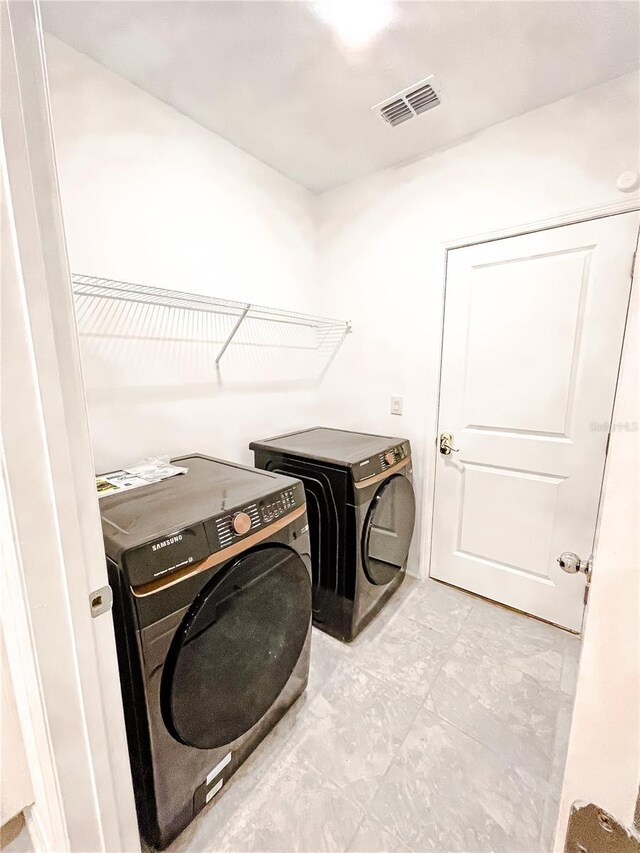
443,727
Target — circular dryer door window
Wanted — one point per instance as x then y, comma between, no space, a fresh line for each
388,530
237,647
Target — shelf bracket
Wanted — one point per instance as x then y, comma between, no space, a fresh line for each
347,330
232,333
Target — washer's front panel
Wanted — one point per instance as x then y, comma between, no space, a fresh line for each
226,663
167,554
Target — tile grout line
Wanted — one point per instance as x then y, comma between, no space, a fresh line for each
555,688
473,737
364,808
545,685
452,638
419,705
557,692
396,753
380,823
356,831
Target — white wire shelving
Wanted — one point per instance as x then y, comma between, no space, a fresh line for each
229,324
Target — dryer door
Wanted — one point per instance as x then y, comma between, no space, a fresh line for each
236,647
388,530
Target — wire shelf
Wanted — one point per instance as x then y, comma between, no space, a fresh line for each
229,323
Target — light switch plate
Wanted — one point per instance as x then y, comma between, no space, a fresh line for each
396,405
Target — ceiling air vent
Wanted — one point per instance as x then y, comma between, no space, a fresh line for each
410,102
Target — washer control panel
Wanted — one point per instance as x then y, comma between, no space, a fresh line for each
238,523
241,521
275,506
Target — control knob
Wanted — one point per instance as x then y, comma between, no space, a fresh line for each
241,523
389,457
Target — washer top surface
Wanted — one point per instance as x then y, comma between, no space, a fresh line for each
211,486
338,446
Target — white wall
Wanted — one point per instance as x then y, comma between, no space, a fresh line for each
382,258
151,197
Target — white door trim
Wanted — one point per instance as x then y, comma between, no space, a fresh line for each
45,818
571,217
49,474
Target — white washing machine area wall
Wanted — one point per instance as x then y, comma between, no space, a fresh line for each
212,609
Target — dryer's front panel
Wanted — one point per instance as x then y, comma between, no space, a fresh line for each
331,546
388,530
236,647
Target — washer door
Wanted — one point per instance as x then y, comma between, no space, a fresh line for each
388,530
236,647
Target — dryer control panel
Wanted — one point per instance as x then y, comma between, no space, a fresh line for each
392,456
381,462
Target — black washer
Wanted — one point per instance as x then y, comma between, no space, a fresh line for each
211,575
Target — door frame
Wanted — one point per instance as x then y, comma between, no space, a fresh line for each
571,217
63,659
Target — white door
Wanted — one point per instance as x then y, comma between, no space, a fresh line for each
532,340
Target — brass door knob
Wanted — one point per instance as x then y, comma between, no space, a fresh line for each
446,444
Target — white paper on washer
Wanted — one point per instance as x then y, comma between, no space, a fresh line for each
155,468
118,481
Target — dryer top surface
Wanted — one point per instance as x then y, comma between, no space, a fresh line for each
337,446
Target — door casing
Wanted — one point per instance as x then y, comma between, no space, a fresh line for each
76,738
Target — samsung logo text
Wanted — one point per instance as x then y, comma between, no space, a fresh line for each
170,541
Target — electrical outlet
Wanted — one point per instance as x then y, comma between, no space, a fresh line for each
396,405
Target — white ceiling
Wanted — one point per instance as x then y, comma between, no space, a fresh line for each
272,78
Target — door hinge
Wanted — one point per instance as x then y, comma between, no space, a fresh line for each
572,564
633,263
587,590
592,830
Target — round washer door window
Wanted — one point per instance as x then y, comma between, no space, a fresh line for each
388,530
236,647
